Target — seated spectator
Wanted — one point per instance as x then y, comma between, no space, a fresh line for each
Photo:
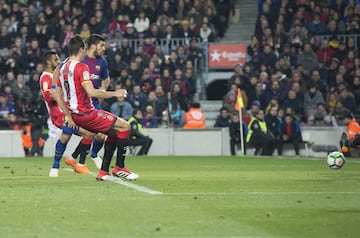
14,122
273,123
5,107
292,100
137,138
195,117
150,120
177,91
230,101
316,26
258,135
122,108
268,57
160,105
174,111
223,119
321,117
339,111
347,99
206,33
307,58
312,98
325,53
141,23
290,133
137,98
235,133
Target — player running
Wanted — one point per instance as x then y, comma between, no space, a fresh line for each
51,61
75,88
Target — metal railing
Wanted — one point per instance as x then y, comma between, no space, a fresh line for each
343,38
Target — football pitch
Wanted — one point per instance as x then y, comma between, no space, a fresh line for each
183,197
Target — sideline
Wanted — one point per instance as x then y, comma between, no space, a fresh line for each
125,183
263,193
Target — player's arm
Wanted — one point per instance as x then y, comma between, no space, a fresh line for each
54,81
100,93
61,103
105,83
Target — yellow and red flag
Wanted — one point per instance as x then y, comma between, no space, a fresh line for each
239,101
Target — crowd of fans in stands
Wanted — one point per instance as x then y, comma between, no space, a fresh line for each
156,77
303,57
290,64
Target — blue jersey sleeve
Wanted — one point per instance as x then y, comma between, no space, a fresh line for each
104,73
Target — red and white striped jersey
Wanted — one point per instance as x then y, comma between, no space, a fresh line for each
45,85
73,74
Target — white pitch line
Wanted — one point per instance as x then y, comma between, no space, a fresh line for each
263,193
126,184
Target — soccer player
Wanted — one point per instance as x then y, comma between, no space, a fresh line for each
99,75
75,87
51,61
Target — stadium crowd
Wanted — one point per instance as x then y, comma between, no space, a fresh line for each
303,64
157,76
303,56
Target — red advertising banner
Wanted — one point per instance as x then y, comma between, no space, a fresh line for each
226,55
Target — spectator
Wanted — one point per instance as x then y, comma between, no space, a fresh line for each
347,99
268,57
142,23
176,89
273,123
6,107
223,119
14,122
307,58
130,32
206,33
316,26
161,104
293,101
254,51
339,111
276,91
122,108
312,98
137,138
321,117
150,120
137,98
290,133
325,53
174,110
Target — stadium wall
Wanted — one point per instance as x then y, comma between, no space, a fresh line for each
169,141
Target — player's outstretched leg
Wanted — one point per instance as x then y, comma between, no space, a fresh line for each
120,170
109,149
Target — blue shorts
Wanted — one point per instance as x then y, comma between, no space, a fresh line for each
96,103
68,130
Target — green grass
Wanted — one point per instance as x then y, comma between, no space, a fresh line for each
201,197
